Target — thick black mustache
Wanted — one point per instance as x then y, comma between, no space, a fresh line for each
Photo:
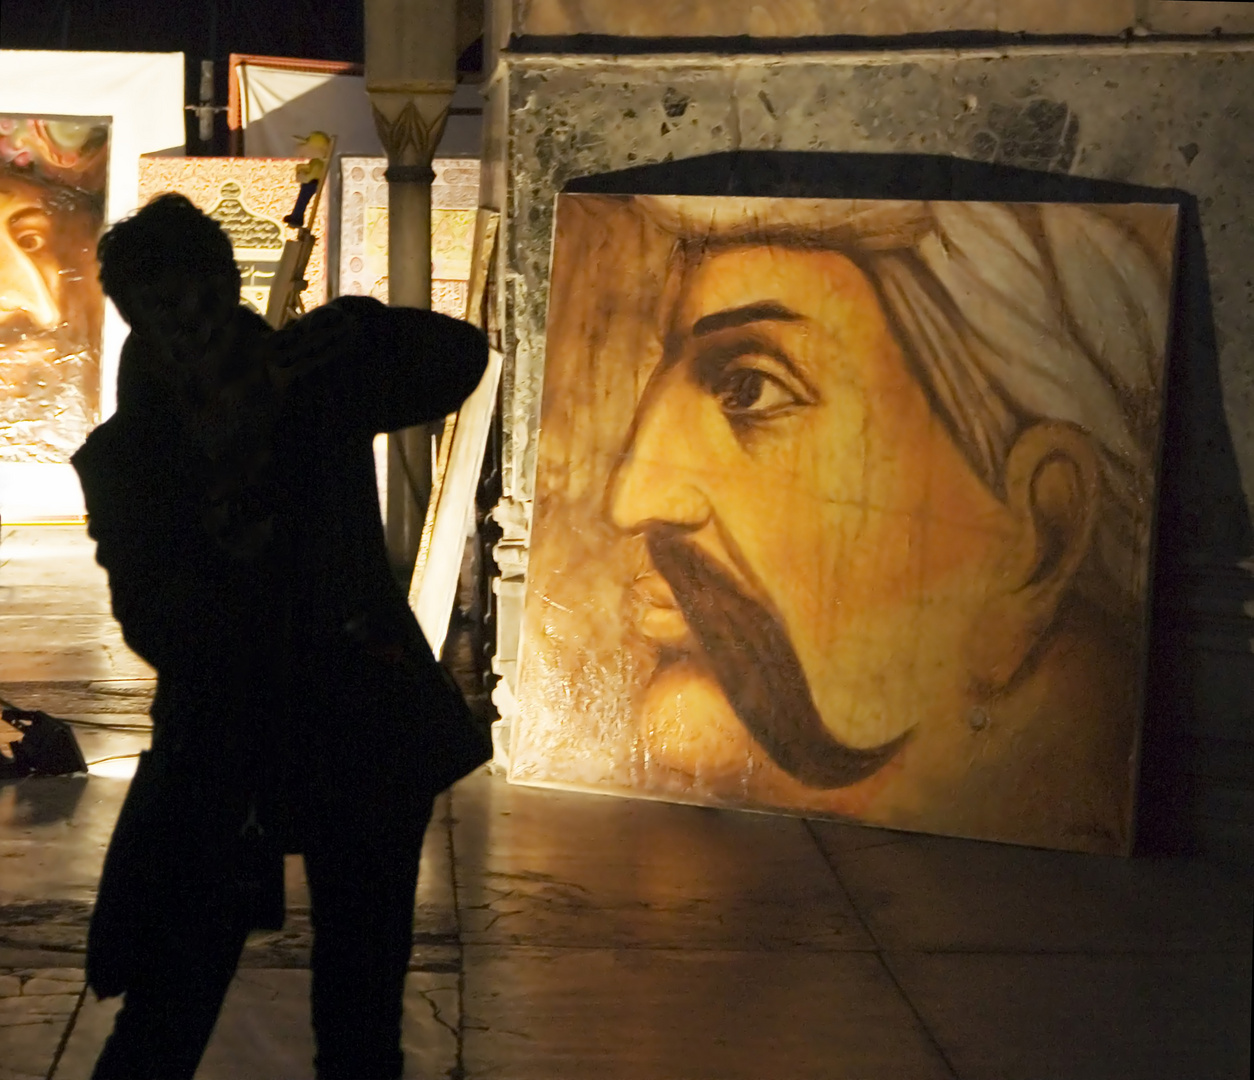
758,669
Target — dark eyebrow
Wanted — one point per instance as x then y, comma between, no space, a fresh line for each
30,211
764,311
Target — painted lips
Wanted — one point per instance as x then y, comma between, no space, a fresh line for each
655,612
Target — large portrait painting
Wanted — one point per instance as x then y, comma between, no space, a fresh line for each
53,174
844,508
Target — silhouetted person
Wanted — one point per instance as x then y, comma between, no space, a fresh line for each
234,505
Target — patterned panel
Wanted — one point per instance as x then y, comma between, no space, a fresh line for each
364,229
248,197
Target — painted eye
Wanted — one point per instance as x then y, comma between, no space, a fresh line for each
30,239
30,229
747,391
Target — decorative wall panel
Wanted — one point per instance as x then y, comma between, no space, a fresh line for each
363,269
248,198
364,229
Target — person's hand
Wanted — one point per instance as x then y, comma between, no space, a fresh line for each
307,343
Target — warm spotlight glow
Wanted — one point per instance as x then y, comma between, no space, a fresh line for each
115,768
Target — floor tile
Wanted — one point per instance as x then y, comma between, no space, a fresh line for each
13,957
435,914
72,635
52,599
66,647
264,1032
557,868
93,699
717,944
112,755
53,835
71,631
669,1014
436,946
91,1027
58,556
923,892
1037,1017
35,1008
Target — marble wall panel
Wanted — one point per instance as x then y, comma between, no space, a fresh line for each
817,18
1198,17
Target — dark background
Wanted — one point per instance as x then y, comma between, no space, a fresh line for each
210,30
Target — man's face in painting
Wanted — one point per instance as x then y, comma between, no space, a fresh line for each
30,285
815,539
50,301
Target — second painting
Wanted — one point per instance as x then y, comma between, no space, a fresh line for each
53,181
844,508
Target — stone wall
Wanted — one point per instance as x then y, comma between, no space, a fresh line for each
782,19
1084,121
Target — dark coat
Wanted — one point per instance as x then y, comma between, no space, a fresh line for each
263,697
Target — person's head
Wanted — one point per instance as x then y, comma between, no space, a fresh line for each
887,449
171,273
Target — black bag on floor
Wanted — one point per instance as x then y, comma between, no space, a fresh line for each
47,746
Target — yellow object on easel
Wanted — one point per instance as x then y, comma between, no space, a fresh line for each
285,303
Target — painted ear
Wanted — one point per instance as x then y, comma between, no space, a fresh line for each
1053,490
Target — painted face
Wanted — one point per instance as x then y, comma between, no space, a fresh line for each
50,317
30,285
818,543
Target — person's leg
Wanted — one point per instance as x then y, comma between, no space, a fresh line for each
362,892
169,1011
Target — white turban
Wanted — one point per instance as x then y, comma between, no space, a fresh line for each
1010,315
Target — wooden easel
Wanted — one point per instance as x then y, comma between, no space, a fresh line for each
285,303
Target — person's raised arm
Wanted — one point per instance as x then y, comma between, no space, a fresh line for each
383,368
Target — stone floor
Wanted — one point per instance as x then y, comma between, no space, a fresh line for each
574,937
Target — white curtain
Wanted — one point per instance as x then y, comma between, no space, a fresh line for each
278,104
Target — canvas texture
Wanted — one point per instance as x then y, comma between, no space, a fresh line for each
53,179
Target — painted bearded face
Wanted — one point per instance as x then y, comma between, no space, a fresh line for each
50,311
820,549
47,261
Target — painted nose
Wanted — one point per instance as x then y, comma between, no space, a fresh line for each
658,481
23,288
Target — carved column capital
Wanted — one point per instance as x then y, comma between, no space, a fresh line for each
411,73
410,123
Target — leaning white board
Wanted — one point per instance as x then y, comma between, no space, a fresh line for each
434,587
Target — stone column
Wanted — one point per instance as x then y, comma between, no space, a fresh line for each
411,73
